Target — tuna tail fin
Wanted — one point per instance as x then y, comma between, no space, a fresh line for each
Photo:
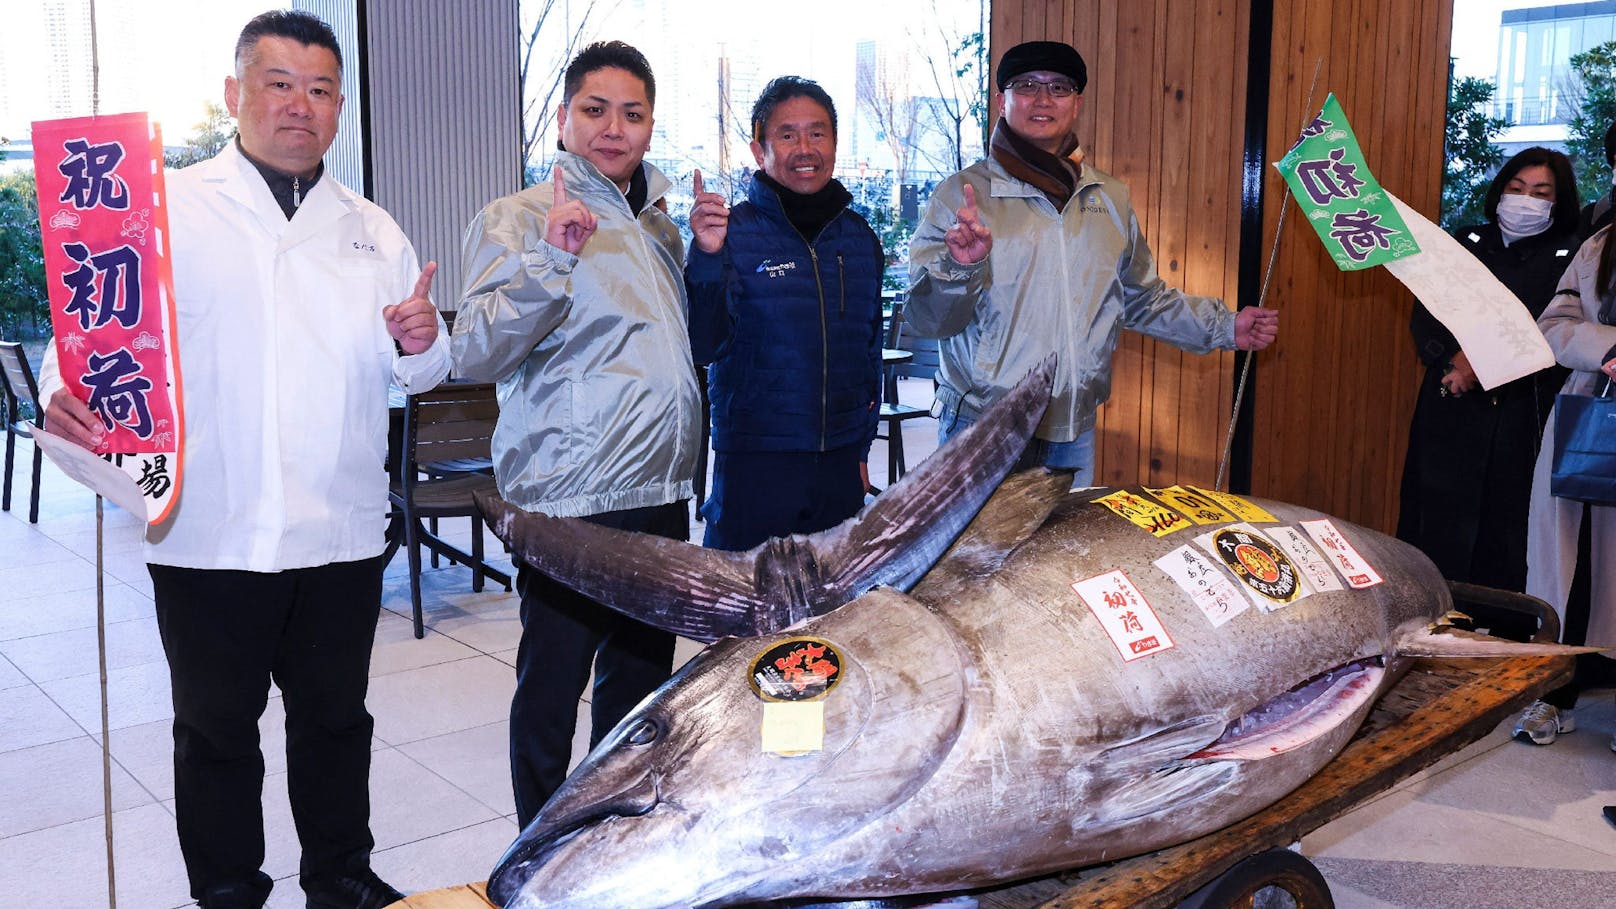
1444,641
707,594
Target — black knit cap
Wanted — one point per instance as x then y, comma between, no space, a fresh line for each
1048,56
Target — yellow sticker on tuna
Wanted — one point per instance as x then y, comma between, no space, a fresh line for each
1144,513
1237,506
1199,508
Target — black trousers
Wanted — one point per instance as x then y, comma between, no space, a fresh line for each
227,634
563,634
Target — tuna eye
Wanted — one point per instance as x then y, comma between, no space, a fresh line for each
643,733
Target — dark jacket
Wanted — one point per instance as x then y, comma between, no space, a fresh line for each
1468,475
792,329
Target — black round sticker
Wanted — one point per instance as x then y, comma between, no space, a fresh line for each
799,669
1258,563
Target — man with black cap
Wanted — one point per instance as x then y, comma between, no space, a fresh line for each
1032,252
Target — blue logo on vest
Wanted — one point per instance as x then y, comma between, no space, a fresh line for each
768,267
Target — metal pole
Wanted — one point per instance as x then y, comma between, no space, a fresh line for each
100,566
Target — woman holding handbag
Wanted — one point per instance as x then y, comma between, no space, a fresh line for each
1571,544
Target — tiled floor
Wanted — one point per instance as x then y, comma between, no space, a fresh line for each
1502,824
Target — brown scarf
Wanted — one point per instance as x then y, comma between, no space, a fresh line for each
1053,175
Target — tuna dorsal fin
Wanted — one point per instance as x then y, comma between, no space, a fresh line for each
1443,641
707,594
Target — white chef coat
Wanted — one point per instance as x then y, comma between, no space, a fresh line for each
285,363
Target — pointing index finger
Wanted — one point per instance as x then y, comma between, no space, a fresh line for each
969,208
423,284
560,184
697,185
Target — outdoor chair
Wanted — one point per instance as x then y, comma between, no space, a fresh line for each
19,388
922,363
446,429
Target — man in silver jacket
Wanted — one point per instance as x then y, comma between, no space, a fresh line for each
1032,252
574,303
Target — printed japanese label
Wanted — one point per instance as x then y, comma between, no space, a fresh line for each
1199,508
1257,563
1240,508
1208,588
793,728
1144,513
1315,568
1129,621
1346,206
799,669
1342,554
103,225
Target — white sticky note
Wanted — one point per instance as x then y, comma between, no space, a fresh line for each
793,727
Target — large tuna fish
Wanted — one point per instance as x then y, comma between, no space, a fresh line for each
1074,678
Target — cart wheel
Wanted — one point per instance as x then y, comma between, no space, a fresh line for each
1276,879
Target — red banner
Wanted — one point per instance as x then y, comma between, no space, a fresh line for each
104,220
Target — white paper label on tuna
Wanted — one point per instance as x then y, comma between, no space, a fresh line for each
1314,566
793,727
1124,614
1358,572
1208,588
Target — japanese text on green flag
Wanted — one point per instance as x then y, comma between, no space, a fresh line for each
1352,214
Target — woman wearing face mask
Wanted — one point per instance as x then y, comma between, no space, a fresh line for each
1468,475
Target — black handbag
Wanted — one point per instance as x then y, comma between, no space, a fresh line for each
1585,447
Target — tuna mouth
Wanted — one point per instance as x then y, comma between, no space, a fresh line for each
1300,715
544,837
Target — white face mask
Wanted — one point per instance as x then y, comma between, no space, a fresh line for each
1524,216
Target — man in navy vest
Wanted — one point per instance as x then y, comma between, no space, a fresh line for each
785,306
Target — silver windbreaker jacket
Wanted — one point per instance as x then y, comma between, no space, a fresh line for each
1062,283
597,392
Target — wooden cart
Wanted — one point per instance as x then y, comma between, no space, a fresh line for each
1438,708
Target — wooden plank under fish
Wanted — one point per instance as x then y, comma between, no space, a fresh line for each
1438,708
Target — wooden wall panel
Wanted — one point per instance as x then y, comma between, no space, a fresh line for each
1165,112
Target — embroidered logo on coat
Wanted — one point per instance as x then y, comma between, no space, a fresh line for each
768,267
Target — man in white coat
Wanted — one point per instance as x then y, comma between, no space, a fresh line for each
298,303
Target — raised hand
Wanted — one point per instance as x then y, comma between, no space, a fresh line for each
569,224
969,240
414,322
709,218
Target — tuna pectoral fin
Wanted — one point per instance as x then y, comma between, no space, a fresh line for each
1454,642
707,594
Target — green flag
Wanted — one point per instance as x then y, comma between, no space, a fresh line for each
1332,183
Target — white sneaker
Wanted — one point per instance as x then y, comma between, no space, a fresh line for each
1541,723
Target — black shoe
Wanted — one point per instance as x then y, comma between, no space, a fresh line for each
360,890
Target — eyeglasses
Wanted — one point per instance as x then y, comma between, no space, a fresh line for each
1028,88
